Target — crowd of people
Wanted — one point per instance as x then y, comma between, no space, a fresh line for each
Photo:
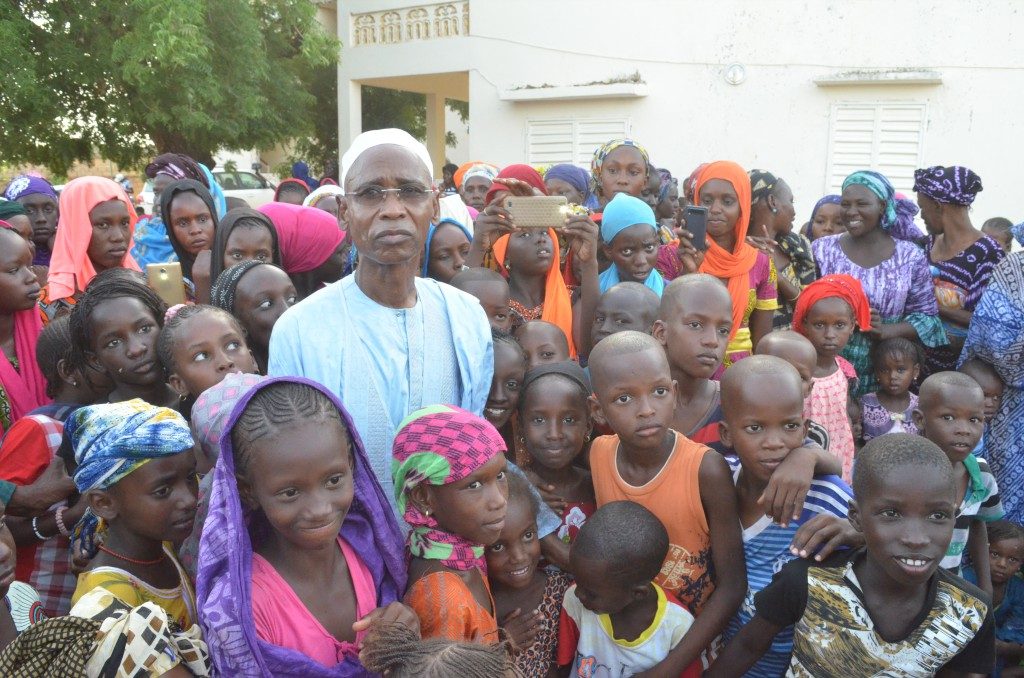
390,431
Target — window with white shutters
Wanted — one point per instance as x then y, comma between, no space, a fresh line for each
884,136
573,140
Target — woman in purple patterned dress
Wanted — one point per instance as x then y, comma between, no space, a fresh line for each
962,258
877,250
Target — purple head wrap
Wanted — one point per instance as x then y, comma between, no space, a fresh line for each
830,199
27,184
224,579
578,178
954,185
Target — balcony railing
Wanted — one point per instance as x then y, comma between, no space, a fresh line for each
409,24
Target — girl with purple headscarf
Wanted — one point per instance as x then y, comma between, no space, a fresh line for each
962,258
39,199
300,553
572,182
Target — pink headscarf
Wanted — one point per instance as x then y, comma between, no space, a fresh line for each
307,236
26,386
70,267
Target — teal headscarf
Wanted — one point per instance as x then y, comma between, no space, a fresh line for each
882,188
620,213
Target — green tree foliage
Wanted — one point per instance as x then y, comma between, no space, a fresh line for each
383,108
128,78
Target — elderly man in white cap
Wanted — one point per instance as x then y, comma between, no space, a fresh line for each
385,341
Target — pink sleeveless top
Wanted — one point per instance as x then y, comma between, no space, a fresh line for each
283,620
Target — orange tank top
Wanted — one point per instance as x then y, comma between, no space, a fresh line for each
447,609
674,496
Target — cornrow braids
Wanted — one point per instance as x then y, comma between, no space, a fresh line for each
896,347
277,405
54,345
169,332
222,294
394,650
114,283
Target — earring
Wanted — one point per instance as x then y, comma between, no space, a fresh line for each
775,210
75,384
426,512
587,439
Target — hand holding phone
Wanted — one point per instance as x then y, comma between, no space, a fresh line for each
539,211
696,222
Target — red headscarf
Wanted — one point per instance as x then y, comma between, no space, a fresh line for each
70,267
307,236
845,287
521,172
733,267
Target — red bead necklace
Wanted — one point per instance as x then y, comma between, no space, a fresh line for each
121,556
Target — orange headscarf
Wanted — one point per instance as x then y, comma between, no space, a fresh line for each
734,266
70,266
557,303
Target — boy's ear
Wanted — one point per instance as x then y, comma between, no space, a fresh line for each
595,411
658,332
725,435
853,515
178,384
918,416
103,504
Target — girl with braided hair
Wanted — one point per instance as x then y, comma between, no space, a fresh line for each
300,552
395,651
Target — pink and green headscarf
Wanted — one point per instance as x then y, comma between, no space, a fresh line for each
439,445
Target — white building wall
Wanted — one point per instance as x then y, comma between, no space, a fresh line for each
777,118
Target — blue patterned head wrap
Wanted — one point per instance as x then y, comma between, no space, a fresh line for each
113,440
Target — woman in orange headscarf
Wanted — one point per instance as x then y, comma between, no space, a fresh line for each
723,187
530,260
97,222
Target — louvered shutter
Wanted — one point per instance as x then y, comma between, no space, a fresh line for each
883,136
573,140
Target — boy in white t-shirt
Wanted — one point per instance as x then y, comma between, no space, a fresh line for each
616,621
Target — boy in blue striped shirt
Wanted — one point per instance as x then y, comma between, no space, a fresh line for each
763,406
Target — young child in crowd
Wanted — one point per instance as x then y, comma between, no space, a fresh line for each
555,422
451,487
257,294
8,556
687,488
526,596
625,306
764,423
999,229
198,346
1006,555
325,560
542,342
491,290
951,414
115,325
616,620
135,466
629,233
796,350
506,385
693,326
28,448
992,386
897,364
886,609
827,312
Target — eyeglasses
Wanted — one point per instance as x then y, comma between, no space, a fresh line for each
374,196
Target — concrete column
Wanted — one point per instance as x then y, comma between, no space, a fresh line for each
436,131
350,113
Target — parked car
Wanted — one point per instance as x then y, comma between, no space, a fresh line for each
253,188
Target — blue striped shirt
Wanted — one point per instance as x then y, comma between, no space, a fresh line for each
766,549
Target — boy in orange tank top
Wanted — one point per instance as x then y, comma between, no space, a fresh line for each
687,488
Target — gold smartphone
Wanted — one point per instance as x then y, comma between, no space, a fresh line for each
166,280
537,211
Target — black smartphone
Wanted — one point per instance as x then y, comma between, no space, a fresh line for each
696,222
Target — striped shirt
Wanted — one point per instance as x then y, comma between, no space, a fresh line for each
981,502
766,549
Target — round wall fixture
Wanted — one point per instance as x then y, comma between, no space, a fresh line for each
735,74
